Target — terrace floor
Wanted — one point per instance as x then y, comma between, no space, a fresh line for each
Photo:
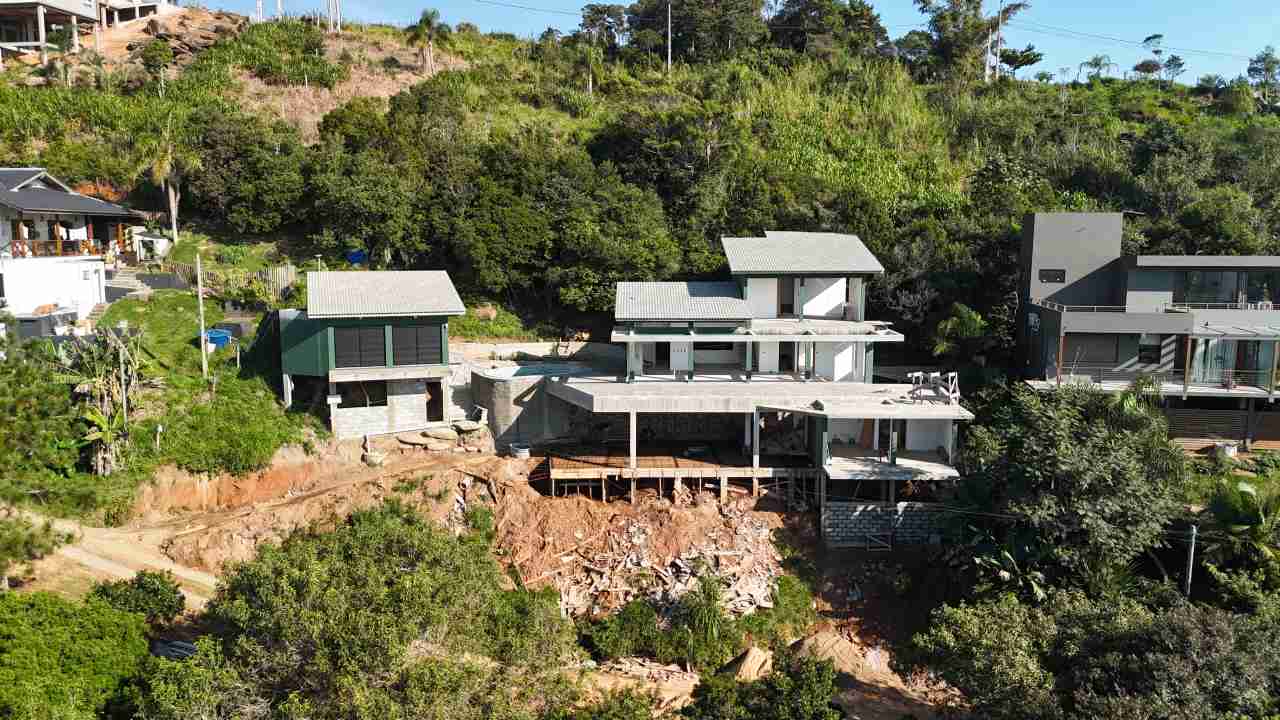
856,463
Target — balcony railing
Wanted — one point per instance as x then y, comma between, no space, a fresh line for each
1225,379
1184,307
1078,308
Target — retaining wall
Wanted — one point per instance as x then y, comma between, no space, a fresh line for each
905,523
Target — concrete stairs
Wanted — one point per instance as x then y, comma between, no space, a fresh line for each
95,317
125,283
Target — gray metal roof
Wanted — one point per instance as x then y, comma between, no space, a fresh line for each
800,253
676,301
13,177
382,293
1224,262
57,202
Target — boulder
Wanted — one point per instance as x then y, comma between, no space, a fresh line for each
439,445
751,665
467,426
442,433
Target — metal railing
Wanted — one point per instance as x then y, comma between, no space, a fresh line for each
1078,308
1183,307
1225,379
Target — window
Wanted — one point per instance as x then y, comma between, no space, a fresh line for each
359,347
371,393
416,345
1088,348
1053,276
712,346
1149,349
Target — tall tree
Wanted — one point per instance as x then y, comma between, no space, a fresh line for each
1015,59
22,541
168,158
424,34
606,24
1173,67
963,35
853,26
702,30
1098,65
1264,71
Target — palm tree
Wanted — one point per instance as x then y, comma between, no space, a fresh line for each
591,61
1247,519
168,160
423,35
1098,66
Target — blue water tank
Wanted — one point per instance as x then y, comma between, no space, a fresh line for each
218,338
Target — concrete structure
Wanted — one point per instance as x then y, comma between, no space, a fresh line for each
26,26
770,373
52,244
1205,328
379,341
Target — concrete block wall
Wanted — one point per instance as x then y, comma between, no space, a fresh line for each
406,409
908,523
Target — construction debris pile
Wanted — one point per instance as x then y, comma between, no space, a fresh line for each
602,556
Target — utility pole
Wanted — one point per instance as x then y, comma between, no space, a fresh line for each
999,38
668,37
1191,559
204,341
280,9
257,16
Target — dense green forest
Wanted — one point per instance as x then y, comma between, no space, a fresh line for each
546,170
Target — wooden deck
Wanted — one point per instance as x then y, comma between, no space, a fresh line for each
590,463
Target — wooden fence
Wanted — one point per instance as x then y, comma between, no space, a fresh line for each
276,278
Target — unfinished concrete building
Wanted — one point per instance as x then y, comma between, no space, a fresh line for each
764,380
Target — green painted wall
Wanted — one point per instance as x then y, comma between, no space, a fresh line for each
306,345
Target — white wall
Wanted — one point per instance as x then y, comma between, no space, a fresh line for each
71,282
681,356
762,296
837,362
926,435
768,357
824,297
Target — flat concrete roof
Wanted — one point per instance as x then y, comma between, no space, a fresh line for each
912,466
712,394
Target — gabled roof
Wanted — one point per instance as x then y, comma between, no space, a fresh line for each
32,190
382,293
679,301
800,253
11,178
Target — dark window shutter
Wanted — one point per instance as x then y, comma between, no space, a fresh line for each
346,347
373,346
416,345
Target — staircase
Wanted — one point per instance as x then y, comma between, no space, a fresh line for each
96,316
125,283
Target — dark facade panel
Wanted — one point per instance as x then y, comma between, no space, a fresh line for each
417,345
359,346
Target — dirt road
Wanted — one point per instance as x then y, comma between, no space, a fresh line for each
118,554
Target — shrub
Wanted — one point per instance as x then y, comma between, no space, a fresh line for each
631,631
64,659
702,635
791,615
799,688
156,596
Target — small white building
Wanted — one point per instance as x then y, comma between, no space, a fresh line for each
52,244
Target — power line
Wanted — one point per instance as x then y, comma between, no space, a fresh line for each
529,8
1033,26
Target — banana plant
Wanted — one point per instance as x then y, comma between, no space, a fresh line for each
105,436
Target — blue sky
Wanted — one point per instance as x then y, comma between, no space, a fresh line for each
1223,34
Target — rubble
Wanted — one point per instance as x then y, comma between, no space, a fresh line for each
600,556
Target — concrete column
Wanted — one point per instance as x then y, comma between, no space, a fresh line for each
1186,371
97,37
287,384
875,434
75,34
631,427
951,441
746,431
40,34
747,345
755,439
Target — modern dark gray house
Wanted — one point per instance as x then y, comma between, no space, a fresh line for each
1207,328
